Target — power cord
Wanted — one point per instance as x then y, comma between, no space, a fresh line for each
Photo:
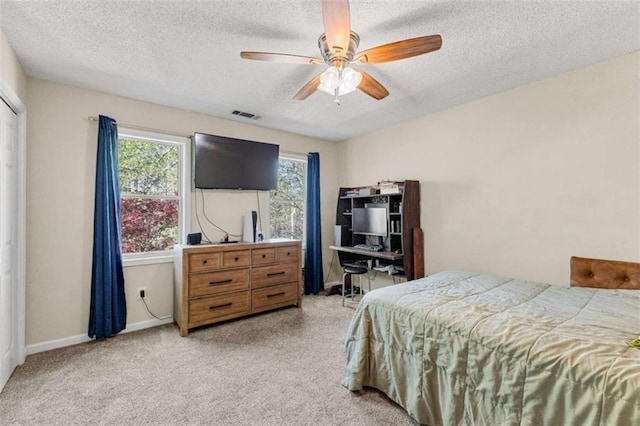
259,212
145,305
199,224
333,256
204,212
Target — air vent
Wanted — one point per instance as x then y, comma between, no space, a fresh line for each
246,115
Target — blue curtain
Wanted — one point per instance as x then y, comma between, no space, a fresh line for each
108,313
313,281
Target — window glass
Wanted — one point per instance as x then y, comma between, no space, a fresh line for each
150,199
148,224
287,203
148,168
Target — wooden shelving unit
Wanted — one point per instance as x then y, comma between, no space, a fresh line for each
403,215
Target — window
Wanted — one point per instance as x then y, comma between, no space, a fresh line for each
153,187
287,203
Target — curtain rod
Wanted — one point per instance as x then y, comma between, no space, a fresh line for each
146,129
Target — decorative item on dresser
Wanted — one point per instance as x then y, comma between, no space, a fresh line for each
219,282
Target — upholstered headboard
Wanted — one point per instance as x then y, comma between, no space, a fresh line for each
601,273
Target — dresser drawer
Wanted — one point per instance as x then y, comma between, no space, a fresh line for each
277,274
208,309
287,254
275,296
204,261
263,256
218,282
232,259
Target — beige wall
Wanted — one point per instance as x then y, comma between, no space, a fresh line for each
11,73
60,188
516,183
512,184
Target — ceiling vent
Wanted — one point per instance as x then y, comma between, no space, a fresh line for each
246,115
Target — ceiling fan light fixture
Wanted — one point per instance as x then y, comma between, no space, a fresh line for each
331,92
346,82
330,79
350,79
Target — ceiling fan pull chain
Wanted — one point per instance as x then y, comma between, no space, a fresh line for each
336,91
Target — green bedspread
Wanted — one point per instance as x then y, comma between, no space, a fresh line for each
459,348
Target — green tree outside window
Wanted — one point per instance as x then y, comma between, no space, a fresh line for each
287,202
149,198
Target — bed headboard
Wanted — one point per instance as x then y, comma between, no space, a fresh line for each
601,273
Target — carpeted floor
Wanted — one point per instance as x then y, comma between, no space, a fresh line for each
279,368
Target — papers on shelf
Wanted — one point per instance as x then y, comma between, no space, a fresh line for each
390,187
389,269
367,190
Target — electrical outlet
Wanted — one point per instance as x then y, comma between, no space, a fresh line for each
142,293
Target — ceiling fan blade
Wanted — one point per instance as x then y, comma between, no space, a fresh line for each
372,87
308,89
337,27
399,50
281,57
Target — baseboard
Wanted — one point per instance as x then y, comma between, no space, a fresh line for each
82,338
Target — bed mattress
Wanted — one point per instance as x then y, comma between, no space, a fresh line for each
461,348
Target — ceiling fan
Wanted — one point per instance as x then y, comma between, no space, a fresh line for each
338,46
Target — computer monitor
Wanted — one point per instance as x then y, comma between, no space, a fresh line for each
370,221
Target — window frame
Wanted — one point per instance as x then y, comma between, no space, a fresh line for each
303,159
184,191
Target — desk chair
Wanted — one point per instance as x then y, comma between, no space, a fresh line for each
351,270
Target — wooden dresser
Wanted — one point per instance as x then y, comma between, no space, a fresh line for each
223,281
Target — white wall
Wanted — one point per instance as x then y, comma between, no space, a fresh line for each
518,182
11,73
512,184
60,189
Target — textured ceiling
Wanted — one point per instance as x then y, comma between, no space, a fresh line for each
185,53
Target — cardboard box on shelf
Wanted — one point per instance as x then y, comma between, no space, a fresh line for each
390,187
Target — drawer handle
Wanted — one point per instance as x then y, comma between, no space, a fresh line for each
226,305
204,262
237,258
288,253
221,282
264,255
273,274
276,294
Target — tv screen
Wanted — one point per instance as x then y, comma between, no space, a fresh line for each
227,163
370,221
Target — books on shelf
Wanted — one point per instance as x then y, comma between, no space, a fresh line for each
366,190
381,188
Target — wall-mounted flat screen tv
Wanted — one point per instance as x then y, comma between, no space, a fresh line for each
227,163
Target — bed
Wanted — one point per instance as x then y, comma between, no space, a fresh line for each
461,348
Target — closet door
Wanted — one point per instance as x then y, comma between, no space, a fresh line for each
8,243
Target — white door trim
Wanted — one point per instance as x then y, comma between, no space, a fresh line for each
11,98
